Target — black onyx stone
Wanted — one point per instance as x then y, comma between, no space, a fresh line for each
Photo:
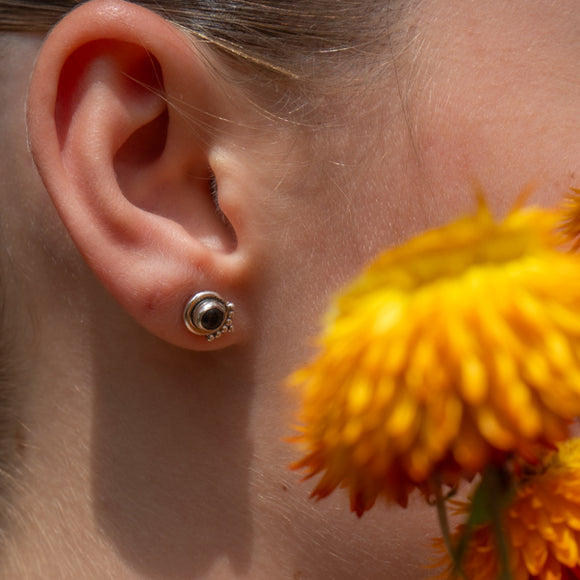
212,319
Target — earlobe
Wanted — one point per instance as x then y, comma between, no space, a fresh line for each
128,174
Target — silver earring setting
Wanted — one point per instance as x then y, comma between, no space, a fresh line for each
209,315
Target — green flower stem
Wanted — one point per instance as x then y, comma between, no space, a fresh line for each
501,547
499,493
445,531
496,491
489,500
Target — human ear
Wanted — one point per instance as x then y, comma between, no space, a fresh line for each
123,115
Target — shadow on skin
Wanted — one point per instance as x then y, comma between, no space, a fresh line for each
170,466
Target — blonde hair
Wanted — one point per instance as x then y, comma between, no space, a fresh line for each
284,39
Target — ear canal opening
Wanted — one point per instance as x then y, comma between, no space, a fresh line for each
213,191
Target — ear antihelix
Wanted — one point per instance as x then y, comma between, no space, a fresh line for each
118,73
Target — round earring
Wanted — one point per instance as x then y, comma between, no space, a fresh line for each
209,315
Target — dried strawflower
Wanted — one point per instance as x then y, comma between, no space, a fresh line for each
570,226
453,351
541,525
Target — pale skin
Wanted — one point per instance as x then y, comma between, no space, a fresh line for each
148,452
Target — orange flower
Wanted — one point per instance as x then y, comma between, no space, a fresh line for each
571,218
459,348
542,525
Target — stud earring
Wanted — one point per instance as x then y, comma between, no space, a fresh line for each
209,315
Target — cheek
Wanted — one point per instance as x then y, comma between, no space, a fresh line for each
314,247
496,103
359,199
319,217
463,148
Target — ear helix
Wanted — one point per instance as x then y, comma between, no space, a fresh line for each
208,314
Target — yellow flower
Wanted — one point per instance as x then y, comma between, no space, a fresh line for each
571,218
542,525
454,350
